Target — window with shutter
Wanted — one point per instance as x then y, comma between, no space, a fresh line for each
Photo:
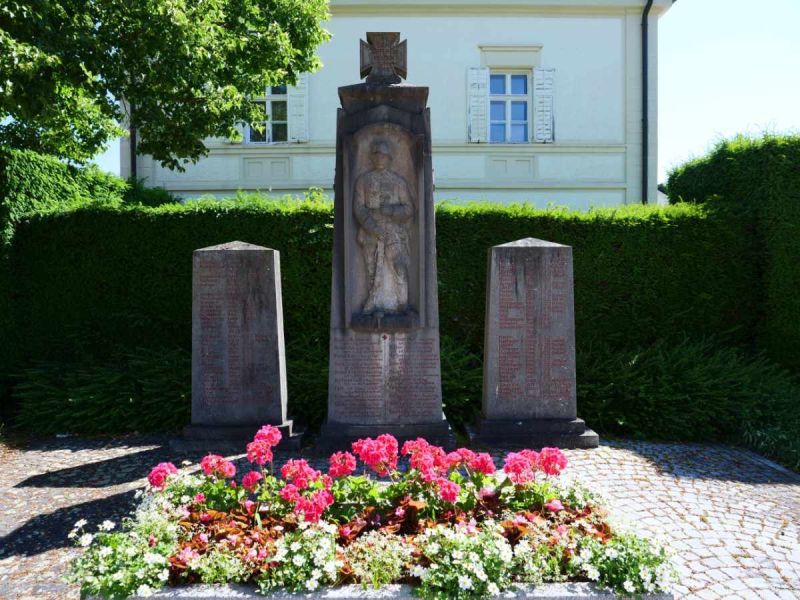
275,126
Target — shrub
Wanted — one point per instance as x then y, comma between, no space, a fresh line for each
124,273
692,390
764,175
141,390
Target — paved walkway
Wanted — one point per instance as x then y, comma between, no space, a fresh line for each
732,517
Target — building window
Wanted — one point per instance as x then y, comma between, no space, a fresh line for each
509,107
275,126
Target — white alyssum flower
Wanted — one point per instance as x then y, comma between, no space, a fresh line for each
611,553
629,587
493,589
295,546
312,584
298,560
107,525
163,575
592,572
85,539
105,551
464,582
144,590
151,558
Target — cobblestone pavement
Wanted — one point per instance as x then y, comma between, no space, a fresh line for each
732,517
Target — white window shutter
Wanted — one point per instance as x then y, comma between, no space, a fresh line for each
297,99
478,105
544,125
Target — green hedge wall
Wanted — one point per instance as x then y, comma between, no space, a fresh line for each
121,277
764,175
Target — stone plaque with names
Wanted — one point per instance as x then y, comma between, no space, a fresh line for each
384,372
529,352
238,358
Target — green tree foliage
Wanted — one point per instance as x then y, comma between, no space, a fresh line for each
187,66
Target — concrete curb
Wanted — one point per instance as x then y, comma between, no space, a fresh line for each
550,591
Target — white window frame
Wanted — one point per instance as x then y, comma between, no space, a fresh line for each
267,99
508,98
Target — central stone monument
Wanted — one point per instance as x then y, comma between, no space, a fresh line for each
384,346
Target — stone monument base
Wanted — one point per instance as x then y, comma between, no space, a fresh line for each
534,433
338,436
221,439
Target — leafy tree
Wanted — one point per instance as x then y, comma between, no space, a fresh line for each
187,67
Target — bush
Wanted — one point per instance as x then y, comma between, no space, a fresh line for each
124,273
764,175
694,391
141,390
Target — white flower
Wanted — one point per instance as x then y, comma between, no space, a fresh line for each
611,553
433,548
493,589
592,572
457,554
312,584
151,558
72,535
418,571
105,551
86,539
80,523
464,582
140,574
295,546
144,590
298,560
629,587
186,463
107,525
130,551
164,575
118,576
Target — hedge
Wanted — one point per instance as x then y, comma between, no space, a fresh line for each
120,277
764,175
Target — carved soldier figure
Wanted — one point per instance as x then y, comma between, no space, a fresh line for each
383,209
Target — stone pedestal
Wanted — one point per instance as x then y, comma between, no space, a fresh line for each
384,346
529,352
238,358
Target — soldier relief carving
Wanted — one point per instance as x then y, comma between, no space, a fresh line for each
384,213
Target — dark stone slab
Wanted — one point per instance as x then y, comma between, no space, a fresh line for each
238,357
529,354
533,433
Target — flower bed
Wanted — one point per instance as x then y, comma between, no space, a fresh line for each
449,524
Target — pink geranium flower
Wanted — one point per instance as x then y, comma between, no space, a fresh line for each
520,467
482,463
448,490
269,434
552,461
250,481
259,452
341,464
554,505
216,465
159,474
380,454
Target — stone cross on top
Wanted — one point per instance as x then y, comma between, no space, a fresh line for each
383,58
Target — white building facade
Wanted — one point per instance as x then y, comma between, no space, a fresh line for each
531,100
